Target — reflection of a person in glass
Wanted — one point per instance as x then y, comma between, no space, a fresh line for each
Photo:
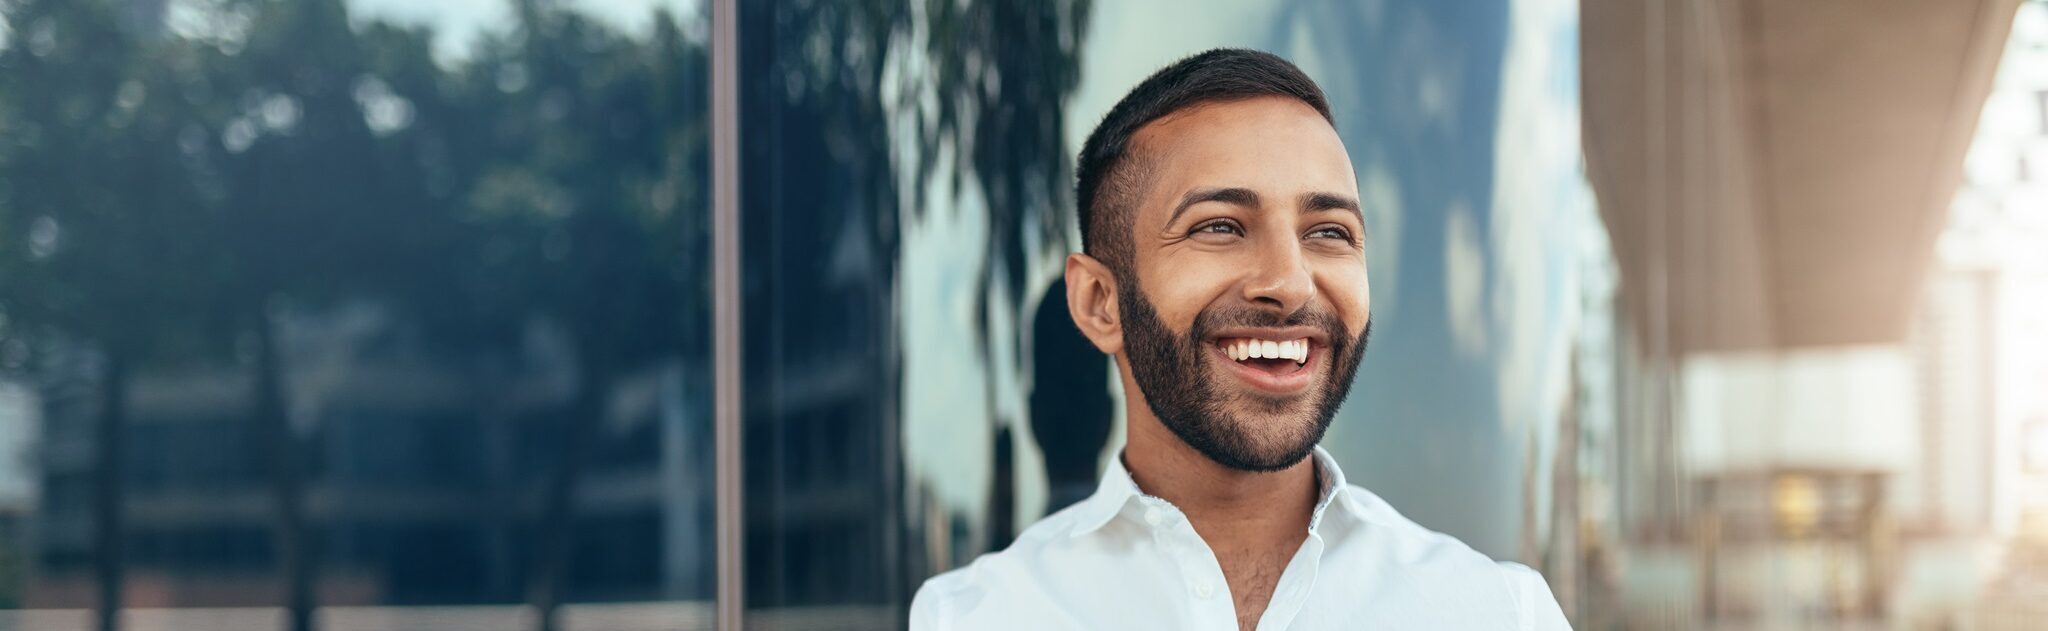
1225,271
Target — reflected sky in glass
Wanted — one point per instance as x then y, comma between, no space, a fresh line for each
458,23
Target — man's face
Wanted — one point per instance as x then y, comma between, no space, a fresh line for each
1249,309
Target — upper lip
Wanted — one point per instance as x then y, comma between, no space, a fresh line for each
1316,337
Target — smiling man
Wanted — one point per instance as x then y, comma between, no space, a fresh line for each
1225,271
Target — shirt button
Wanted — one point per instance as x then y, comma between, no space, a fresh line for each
1154,516
1204,589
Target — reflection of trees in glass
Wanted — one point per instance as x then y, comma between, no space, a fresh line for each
98,215
166,196
169,196
591,201
1003,71
851,109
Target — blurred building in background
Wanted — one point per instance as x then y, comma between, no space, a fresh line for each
376,314
1991,254
1831,397
419,499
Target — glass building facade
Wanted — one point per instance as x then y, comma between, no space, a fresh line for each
343,314
312,316
379,315
348,314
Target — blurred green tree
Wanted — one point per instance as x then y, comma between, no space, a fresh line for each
171,196
591,213
854,112
96,222
315,211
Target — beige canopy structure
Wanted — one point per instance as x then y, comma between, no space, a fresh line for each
1774,173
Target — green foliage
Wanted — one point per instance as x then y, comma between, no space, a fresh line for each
81,254
168,187
165,188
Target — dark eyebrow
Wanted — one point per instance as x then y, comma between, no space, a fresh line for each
1235,196
1313,202
1247,198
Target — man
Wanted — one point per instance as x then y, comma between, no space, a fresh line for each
1225,271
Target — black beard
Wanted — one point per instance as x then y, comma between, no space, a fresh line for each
1170,370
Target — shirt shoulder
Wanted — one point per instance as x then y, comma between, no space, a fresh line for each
941,601
1419,552
952,599
931,608
1533,600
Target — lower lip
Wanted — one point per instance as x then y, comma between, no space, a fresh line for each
1288,383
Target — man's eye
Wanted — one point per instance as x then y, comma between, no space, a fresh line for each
1330,232
1217,227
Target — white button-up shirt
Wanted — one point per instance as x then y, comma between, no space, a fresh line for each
1122,559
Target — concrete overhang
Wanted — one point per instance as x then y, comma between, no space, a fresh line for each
1773,173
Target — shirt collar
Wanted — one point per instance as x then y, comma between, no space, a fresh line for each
1117,491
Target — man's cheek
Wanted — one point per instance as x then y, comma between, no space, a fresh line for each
1176,314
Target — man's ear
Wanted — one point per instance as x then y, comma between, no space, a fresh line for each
1091,300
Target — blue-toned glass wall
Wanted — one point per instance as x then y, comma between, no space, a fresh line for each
355,314
865,124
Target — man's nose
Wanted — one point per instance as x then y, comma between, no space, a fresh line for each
1280,277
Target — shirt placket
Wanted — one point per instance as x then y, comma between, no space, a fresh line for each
1295,583
1206,593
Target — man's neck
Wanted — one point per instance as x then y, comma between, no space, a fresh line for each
1253,522
1230,508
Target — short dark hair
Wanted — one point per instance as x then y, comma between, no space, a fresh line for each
1110,181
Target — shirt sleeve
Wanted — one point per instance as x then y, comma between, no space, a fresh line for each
927,609
1534,604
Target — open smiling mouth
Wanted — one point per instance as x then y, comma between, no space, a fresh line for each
1274,365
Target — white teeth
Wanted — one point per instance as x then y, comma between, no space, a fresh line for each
1241,350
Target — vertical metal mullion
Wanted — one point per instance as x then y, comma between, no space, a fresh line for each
725,289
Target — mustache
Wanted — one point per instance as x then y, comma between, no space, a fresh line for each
1239,315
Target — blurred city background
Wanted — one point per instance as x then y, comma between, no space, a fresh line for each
395,315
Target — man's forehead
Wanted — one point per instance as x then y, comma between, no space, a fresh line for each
1278,144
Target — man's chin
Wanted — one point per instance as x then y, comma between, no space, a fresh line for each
1261,461
1270,408
1247,447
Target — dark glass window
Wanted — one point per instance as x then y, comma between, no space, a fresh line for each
328,307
